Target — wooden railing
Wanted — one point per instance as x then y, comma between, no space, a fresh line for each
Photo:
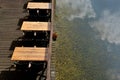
50,43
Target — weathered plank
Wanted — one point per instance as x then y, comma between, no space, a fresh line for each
10,13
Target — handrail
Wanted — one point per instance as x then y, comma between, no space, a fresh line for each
50,44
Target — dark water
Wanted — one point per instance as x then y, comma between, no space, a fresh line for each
88,46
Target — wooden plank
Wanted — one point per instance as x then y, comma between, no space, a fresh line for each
30,54
10,12
35,26
36,5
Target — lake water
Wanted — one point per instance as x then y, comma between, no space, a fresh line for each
89,37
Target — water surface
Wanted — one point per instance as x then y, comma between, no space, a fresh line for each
88,46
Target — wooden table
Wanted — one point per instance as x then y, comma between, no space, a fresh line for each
37,5
30,54
35,26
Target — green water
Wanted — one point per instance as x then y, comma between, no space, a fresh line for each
80,52
76,57
76,53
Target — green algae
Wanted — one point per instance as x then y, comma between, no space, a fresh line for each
65,68
79,54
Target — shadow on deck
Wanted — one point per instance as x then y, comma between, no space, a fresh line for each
14,75
19,75
21,71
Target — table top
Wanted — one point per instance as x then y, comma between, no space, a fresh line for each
37,5
30,54
35,26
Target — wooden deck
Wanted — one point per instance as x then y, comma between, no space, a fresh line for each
10,14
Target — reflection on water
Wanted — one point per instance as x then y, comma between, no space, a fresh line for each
92,33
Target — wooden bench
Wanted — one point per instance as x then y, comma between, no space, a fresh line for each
30,54
36,5
36,26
